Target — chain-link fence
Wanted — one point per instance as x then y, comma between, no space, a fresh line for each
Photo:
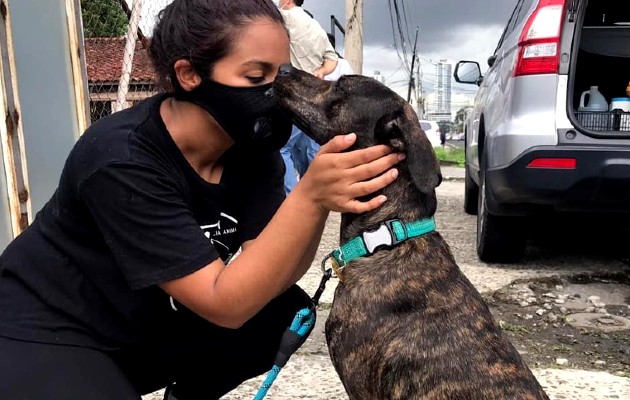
116,36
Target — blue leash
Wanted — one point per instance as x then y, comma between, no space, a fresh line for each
389,233
292,339
301,327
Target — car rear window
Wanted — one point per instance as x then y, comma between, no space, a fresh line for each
425,126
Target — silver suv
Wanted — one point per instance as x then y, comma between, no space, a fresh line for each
538,138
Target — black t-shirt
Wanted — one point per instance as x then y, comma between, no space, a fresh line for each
129,213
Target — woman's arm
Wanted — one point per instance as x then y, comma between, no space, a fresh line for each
284,250
229,296
306,261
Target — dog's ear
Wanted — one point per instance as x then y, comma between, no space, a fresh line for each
403,133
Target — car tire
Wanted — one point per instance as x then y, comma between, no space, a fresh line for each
500,239
471,194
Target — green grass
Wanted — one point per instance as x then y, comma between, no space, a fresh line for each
563,348
518,329
324,306
451,156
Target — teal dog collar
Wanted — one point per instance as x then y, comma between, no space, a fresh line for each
388,234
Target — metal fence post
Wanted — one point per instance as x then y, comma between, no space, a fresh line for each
47,72
15,202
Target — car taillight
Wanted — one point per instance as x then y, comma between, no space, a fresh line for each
539,43
553,163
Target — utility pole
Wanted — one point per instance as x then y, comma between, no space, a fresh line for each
416,87
420,101
353,50
413,64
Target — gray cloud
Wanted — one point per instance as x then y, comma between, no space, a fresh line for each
450,29
437,19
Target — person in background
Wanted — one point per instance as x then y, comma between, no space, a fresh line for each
126,281
311,51
343,66
305,148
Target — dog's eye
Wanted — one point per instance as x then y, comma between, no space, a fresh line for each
255,79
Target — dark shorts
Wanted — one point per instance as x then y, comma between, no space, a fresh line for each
204,360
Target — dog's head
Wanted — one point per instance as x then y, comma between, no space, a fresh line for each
361,105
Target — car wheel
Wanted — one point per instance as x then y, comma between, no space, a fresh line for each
500,239
471,194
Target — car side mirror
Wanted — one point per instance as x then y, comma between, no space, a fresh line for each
468,72
491,60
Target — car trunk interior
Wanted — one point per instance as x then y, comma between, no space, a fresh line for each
603,60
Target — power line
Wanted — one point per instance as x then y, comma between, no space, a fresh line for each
391,17
406,17
395,72
402,57
404,41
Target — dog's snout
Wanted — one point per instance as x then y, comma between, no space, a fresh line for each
285,69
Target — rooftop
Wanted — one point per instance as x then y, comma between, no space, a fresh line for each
104,58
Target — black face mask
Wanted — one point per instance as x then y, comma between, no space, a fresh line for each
249,115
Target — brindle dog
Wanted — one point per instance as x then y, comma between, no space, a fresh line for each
405,323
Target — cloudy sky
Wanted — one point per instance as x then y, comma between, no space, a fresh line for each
448,29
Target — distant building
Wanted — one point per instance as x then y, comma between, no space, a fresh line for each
104,58
377,75
461,100
431,116
443,71
458,101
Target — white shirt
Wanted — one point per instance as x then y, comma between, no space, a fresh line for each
309,41
343,68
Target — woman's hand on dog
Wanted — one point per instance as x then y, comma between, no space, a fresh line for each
336,179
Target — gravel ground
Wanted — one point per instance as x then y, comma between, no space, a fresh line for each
310,374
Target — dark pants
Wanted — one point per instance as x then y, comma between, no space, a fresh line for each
204,360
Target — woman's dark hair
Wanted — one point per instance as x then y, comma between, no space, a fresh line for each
202,32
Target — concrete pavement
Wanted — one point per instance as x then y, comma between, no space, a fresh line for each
450,173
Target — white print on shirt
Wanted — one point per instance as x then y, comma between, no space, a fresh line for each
215,230
212,231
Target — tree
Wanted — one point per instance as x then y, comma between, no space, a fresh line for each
460,116
445,126
460,119
103,18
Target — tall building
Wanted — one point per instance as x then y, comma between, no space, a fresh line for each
443,72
